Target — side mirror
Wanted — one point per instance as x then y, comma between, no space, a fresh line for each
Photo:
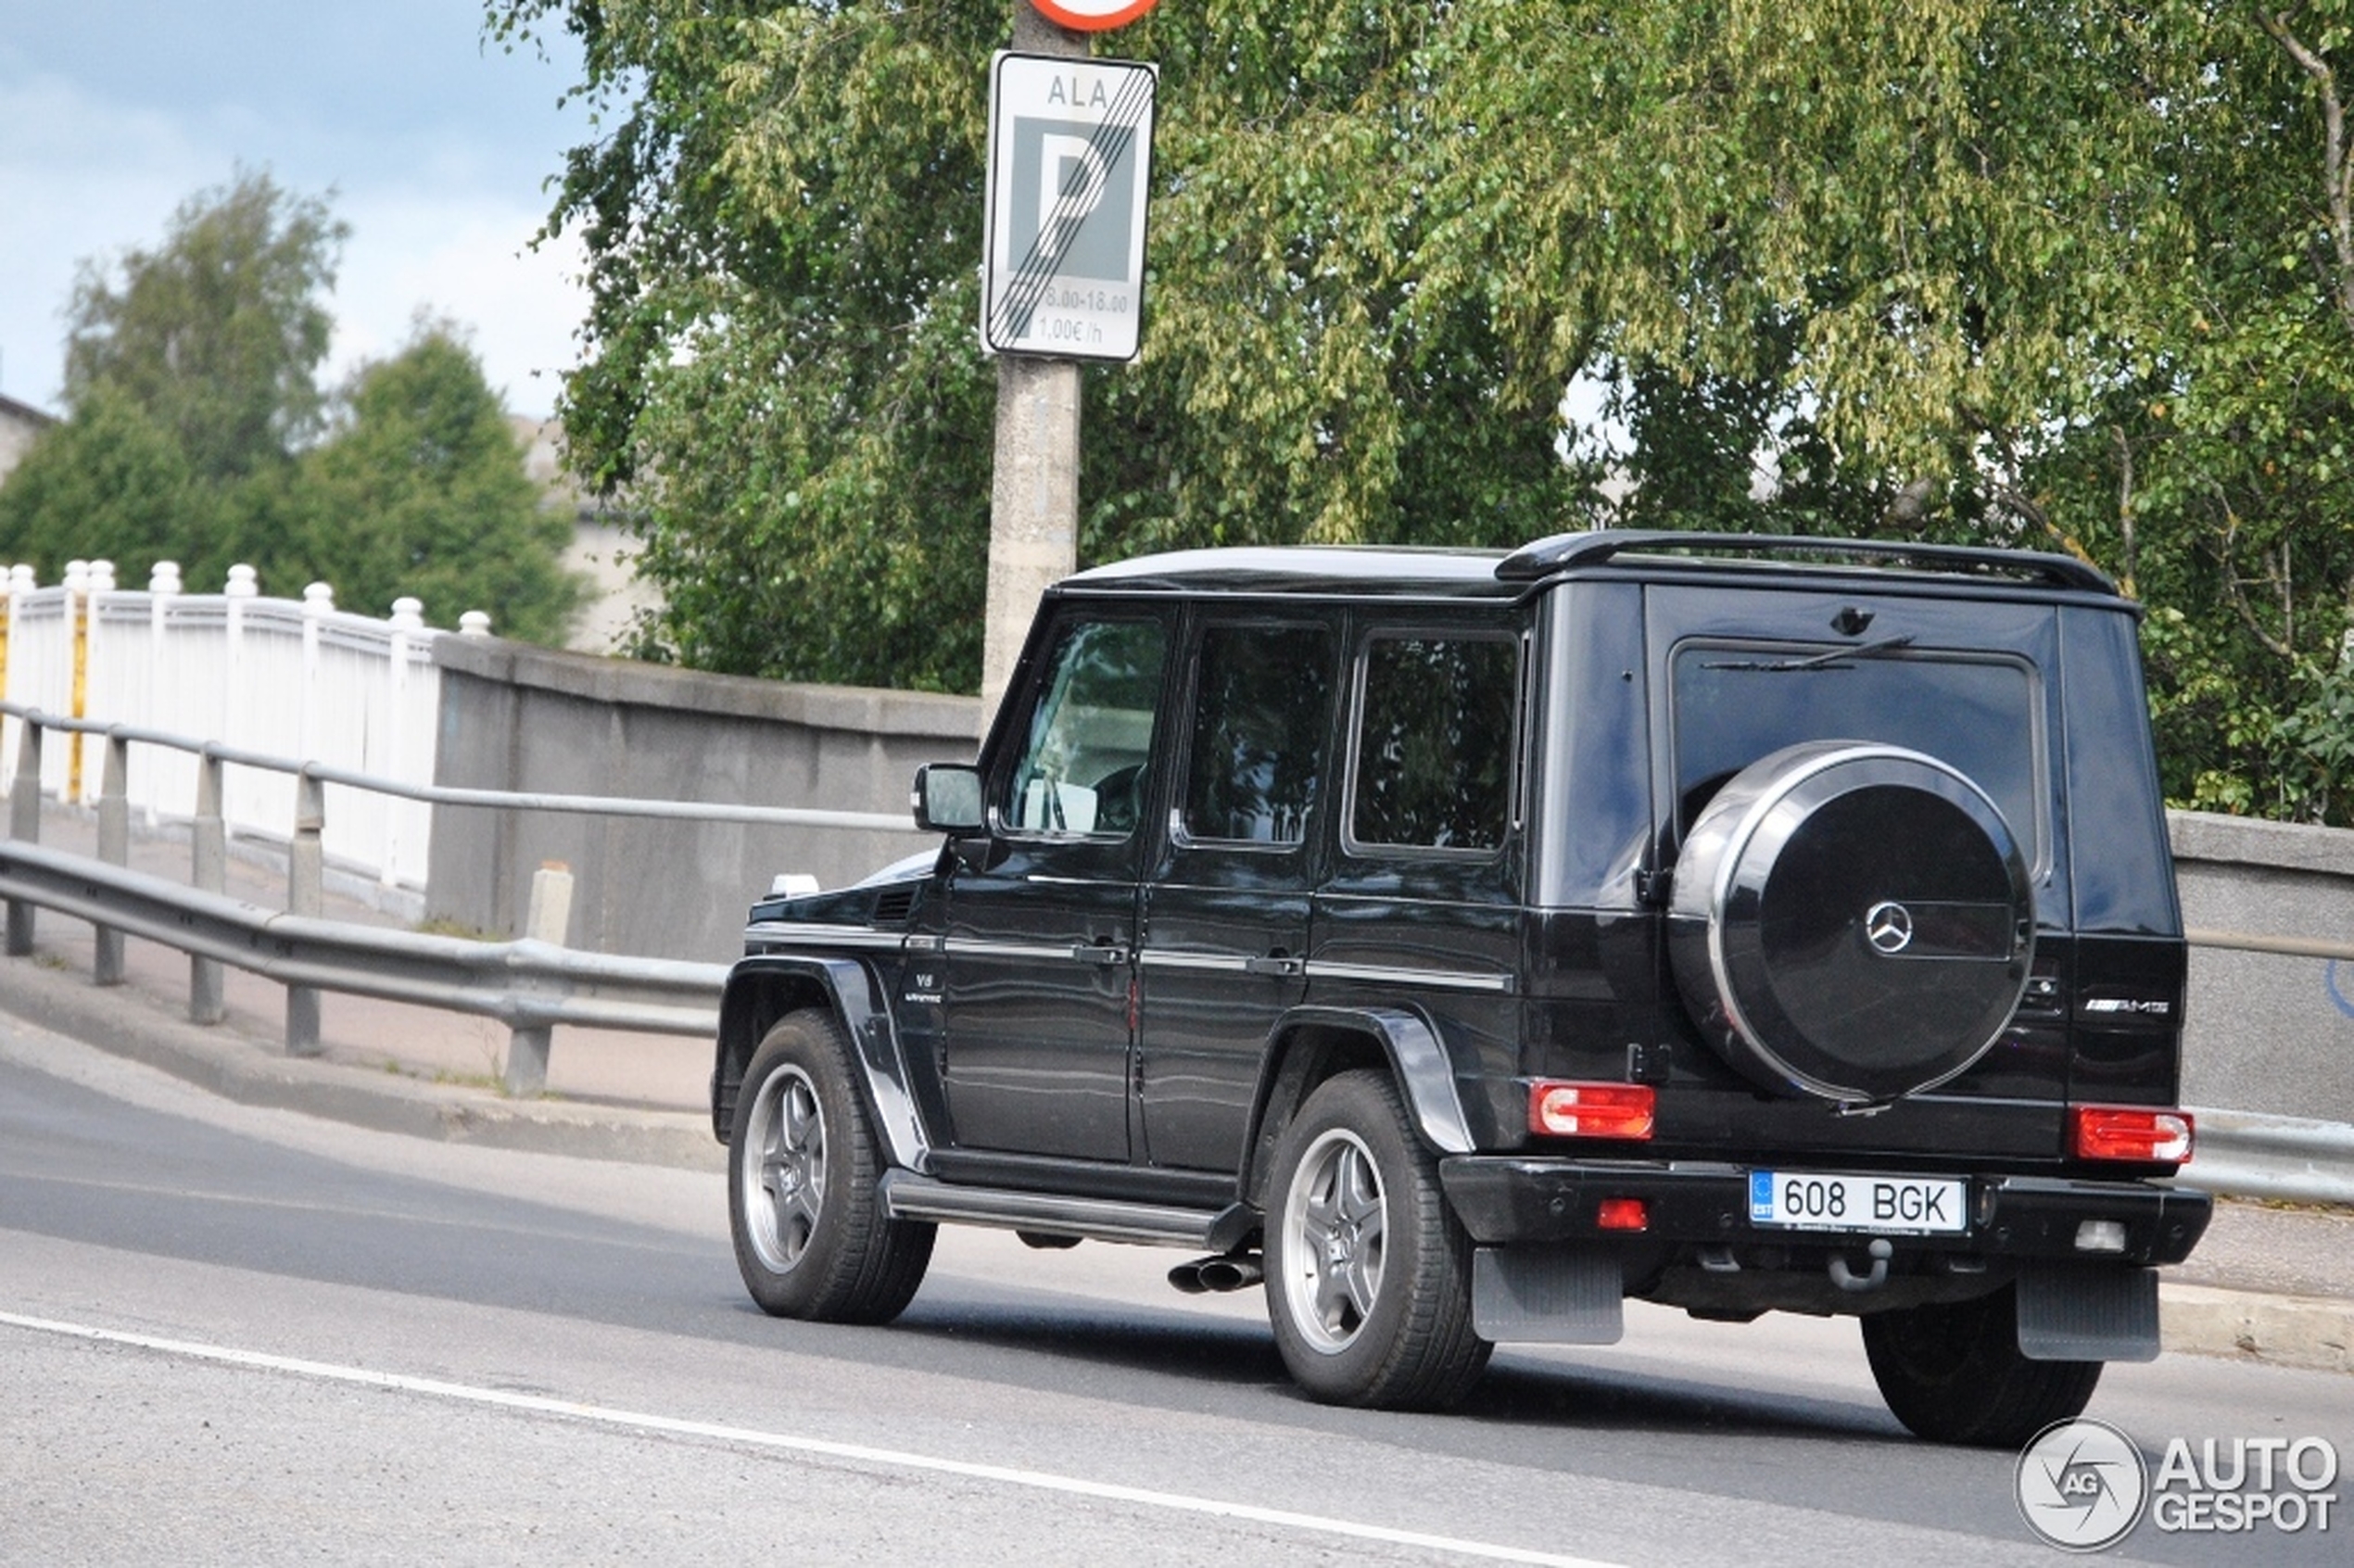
946,799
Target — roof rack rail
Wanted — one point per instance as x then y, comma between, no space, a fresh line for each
1563,553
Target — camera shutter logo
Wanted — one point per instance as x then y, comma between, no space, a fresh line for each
2082,1484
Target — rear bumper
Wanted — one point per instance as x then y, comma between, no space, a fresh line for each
1511,1200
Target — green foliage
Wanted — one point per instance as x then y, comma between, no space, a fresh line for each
109,483
217,332
2213,470
418,489
195,426
784,222
1728,453
2021,272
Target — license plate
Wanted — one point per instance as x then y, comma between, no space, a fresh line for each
1904,1205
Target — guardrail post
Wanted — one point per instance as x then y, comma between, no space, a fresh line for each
548,919
114,848
24,825
208,839
306,894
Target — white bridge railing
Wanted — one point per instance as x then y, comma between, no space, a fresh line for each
284,677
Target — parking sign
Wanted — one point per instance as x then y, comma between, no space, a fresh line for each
1070,164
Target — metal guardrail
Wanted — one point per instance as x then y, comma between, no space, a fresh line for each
442,795
2281,947
2280,1157
525,984
532,986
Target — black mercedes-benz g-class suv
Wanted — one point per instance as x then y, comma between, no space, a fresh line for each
1464,943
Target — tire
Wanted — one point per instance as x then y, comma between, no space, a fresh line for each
803,1165
1952,1372
1851,921
1368,1271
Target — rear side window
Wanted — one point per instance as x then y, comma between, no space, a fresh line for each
1262,706
1435,744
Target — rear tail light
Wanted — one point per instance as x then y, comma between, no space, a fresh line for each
1590,1110
2132,1133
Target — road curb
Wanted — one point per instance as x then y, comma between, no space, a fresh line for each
2288,1331
125,1022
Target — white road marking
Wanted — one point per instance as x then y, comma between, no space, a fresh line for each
858,1453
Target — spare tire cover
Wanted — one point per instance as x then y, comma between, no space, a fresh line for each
1851,920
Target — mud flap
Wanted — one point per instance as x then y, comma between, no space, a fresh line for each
2088,1315
1547,1295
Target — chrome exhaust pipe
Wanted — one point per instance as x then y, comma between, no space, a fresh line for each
1234,1271
1229,1271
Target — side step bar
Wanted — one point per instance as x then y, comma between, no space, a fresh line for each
909,1196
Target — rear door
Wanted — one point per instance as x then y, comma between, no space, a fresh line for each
1420,909
1964,680
1225,911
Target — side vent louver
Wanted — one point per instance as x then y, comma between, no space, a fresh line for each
892,906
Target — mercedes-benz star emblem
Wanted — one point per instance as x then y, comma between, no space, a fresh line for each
1888,926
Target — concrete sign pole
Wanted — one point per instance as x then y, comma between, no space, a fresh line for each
1034,493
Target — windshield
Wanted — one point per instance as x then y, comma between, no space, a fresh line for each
1734,702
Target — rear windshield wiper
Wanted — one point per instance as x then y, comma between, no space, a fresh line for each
1836,659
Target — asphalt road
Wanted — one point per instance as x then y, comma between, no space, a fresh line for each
240,1335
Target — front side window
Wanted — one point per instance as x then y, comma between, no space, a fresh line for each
1262,706
1435,744
1090,734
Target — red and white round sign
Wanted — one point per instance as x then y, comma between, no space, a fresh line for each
1092,16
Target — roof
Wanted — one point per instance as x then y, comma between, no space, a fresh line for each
1355,571
1564,553
25,413
1360,571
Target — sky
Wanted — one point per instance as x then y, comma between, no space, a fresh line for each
431,142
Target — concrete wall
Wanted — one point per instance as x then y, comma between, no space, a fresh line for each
2266,1033
517,718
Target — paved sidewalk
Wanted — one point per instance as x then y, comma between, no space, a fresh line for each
2270,1282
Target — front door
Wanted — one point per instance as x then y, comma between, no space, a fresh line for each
1039,1007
